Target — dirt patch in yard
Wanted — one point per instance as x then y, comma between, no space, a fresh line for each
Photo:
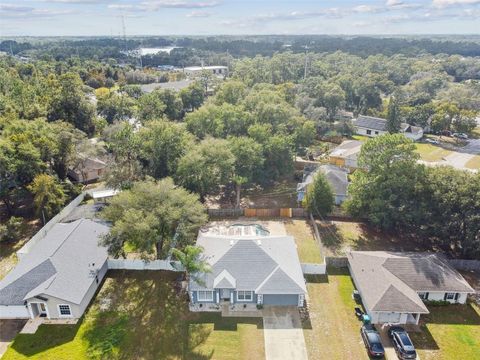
338,237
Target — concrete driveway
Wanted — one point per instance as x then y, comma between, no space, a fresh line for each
8,330
283,334
390,353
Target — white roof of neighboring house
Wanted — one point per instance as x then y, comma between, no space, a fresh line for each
63,264
379,124
198,68
104,193
264,264
347,149
389,281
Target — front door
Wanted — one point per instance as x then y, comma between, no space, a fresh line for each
42,309
226,294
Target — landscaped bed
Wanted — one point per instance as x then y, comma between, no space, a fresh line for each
333,331
140,315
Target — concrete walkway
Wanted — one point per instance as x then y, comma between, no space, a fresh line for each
283,334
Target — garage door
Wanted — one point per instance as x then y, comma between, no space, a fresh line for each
14,312
389,317
280,299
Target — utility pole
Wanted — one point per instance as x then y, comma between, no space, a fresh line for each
124,33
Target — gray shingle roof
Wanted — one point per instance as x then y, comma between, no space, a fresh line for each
66,259
15,292
263,264
335,176
371,122
389,281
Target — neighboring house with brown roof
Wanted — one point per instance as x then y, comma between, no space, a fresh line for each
87,170
373,126
394,285
346,154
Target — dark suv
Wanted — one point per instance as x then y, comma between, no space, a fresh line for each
402,343
371,338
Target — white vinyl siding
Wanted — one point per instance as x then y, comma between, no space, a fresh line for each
203,295
244,295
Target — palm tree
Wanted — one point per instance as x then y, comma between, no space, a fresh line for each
192,262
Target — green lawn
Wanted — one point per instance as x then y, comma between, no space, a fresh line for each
451,332
429,152
140,315
333,331
307,247
360,137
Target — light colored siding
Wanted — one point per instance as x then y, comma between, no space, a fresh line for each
280,299
14,312
440,296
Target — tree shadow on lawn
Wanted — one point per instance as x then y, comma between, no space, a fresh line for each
46,337
146,318
423,340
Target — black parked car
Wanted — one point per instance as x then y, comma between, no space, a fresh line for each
371,338
402,343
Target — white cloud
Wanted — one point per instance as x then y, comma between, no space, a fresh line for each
445,3
23,12
199,14
155,5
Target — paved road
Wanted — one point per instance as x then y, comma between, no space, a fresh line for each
283,334
473,147
8,330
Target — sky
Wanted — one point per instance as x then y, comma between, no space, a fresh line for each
231,17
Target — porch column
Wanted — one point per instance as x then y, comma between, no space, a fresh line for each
301,299
231,297
218,296
259,299
417,318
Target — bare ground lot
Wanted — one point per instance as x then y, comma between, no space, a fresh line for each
341,236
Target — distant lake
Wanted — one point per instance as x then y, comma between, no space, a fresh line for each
153,51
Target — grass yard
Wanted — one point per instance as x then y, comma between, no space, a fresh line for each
333,331
140,315
307,247
360,137
451,332
429,152
8,249
341,236
473,163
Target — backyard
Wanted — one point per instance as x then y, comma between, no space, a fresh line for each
141,315
341,236
307,247
429,152
333,331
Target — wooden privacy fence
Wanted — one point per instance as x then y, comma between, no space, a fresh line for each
253,212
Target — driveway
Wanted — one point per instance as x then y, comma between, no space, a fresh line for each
8,330
390,353
283,334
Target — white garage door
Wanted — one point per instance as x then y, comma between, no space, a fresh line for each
14,312
389,317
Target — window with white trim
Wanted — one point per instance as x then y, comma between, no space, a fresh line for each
244,295
423,295
204,295
64,310
450,296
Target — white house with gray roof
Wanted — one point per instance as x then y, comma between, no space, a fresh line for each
395,286
248,270
372,126
60,274
336,177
